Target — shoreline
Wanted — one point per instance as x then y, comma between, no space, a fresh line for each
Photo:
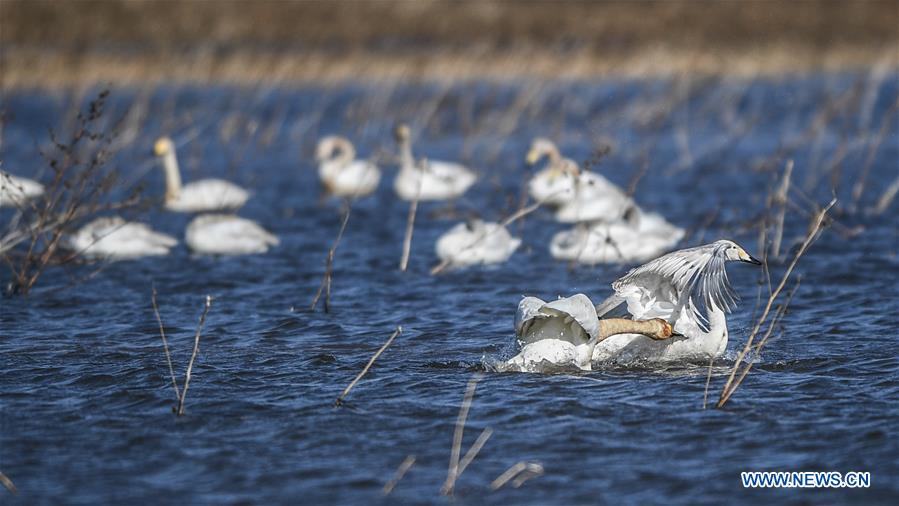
28,68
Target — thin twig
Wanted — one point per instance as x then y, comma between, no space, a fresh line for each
410,222
8,483
780,200
453,472
325,285
518,470
731,386
193,355
708,381
474,449
165,346
407,463
339,401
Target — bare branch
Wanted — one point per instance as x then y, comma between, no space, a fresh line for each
339,401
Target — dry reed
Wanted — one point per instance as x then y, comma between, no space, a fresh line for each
734,381
456,466
325,286
346,391
518,474
8,483
181,394
401,471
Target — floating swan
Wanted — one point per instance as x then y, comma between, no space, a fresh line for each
15,191
553,185
198,196
578,195
476,242
113,238
637,238
226,234
663,288
340,173
428,179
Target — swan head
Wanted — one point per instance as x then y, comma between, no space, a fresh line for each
541,147
329,145
402,133
732,252
163,146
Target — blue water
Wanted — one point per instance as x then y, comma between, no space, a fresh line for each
85,399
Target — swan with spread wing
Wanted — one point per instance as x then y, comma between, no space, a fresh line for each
673,287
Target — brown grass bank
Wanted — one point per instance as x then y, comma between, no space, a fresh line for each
62,43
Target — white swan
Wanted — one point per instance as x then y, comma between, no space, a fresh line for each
476,242
226,234
428,179
198,196
340,173
15,191
668,287
579,196
553,185
636,238
113,238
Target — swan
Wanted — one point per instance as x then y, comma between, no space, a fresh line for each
227,234
428,179
578,195
667,288
340,173
113,238
15,191
553,185
198,196
476,242
638,237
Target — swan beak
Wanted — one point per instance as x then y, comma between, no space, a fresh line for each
532,157
746,257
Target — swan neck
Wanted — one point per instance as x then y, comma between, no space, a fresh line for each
406,158
346,153
172,176
554,156
717,334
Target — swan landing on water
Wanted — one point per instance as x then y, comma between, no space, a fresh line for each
567,331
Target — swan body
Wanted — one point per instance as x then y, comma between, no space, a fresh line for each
113,238
198,196
669,287
339,171
226,234
633,240
426,180
15,191
475,243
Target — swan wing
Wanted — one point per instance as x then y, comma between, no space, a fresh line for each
668,284
570,319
